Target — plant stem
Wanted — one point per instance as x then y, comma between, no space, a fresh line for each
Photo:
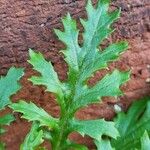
60,136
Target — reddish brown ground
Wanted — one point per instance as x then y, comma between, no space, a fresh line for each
28,24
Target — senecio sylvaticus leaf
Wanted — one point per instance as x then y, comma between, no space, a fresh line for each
83,61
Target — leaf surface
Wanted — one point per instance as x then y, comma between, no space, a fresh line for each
9,85
7,119
132,125
33,113
48,76
33,139
103,144
145,141
108,86
70,38
95,128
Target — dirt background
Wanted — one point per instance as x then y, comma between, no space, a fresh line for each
28,24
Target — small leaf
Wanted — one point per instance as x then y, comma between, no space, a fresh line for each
33,139
33,113
95,128
145,141
7,119
9,85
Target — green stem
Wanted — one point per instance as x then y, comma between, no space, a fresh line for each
60,137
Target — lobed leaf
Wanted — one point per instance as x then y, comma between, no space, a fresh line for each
7,119
33,139
101,59
9,85
132,125
33,113
70,38
48,76
95,128
96,28
108,86
82,62
103,144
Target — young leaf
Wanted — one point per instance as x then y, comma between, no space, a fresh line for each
145,141
33,139
132,125
9,85
7,119
97,28
33,113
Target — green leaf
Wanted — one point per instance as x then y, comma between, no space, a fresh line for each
33,113
108,86
101,59
41,148
96,28
74,146
2,130
94,128
103,144
9,85
48,76
70,38
132,125
7,119
33,139
2,146
145,141
83,61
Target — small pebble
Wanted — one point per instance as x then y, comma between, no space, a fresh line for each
148,66
117,108
148,80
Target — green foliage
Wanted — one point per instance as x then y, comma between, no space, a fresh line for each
33,139
33,113
83,61
145,141
8,86
132,126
